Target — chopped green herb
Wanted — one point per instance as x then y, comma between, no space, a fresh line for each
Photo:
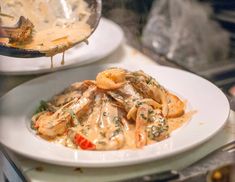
105,113
116,120
150,111
165,127
138,103
102,134
67,125
135,74
100,123
149,80
143,116
88,127
105,100
115,133
162,120
151,119
42,107
84,132
74,116
135,99
155,131
101,142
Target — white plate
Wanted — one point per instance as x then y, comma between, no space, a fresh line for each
18,105
106,38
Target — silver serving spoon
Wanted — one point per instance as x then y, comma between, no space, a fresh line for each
23,29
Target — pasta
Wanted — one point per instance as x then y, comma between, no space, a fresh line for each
118,110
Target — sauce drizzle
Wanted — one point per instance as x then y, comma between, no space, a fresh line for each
52,66
62,61
53,32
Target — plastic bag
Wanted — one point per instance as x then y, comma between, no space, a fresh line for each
183,31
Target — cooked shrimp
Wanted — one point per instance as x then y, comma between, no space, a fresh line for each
118,110
40,116
132,112
110,125
111,79
149,87
114,141
74,90
141,124
57,123
126,96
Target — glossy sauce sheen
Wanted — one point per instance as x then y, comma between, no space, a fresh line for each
56,27
90,117
129,132
98,115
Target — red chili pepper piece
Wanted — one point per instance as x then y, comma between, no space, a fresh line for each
84,143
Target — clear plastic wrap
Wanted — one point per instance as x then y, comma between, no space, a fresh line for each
184,31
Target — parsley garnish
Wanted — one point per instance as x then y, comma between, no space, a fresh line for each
42,107
73,115
149,80
105,113
115,133
102,134
116,120
143,116
150,111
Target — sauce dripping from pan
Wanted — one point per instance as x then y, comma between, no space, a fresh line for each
55,29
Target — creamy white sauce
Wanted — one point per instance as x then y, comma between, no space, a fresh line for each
56,27
101,119
174,123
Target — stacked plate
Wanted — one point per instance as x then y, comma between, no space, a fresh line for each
100,44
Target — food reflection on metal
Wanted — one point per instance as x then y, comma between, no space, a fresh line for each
21,32
110,113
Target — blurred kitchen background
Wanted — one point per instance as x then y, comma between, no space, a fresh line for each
196,35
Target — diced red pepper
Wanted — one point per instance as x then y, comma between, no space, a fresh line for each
84,143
